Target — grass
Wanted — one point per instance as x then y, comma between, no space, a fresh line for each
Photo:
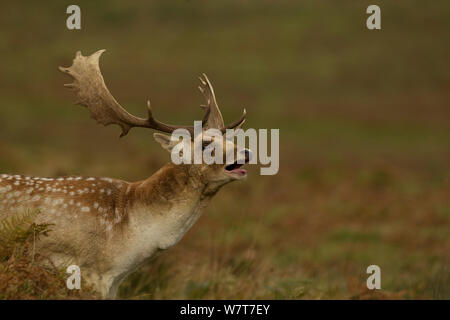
363,118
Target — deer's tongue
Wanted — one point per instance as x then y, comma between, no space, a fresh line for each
236,168
239,171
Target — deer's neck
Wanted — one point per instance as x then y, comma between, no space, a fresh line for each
162,208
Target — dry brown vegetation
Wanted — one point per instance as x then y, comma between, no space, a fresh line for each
24,273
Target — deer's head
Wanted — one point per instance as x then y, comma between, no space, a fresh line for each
92,93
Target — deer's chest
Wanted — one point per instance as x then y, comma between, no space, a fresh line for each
152,231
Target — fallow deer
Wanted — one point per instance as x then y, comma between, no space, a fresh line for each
110,227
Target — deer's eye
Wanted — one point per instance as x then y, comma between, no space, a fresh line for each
205,144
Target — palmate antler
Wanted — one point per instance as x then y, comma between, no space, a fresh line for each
92,93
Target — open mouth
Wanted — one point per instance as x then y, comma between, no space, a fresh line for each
236,169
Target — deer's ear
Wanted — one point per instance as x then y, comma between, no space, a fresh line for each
165,141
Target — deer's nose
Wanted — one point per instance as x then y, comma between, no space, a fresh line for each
248,154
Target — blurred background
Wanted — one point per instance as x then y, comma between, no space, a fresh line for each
364,135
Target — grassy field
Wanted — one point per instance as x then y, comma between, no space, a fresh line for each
364,135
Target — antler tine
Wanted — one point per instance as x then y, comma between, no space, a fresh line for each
158,125
237,124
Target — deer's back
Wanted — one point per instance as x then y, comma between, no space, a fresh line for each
81,209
